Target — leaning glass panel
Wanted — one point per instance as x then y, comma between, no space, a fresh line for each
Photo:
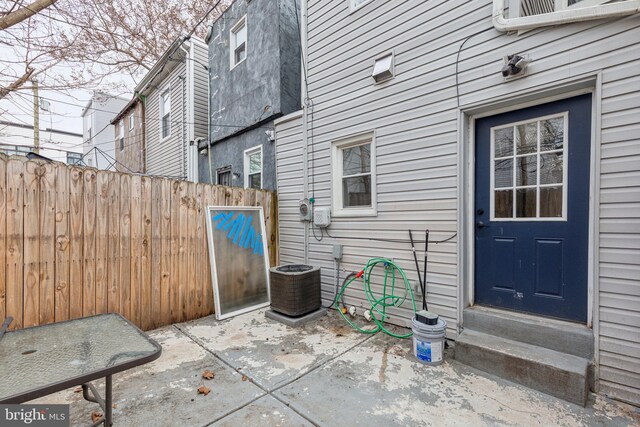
356,191
551,202
526,203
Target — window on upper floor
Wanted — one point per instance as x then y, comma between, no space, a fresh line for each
540,7
253,167
74,158
238,42
165,113
356,4
131,122
121,134
353,176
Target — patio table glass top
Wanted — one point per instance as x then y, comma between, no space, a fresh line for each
69,353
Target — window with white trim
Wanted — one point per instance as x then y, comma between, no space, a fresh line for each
354,179
165,113
253,167
540,7
356,4
131,122
121,134
238,42
529,170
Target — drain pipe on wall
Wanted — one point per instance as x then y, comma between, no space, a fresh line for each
305,121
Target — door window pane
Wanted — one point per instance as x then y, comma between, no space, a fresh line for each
503,173
551,168
503,141
527,138
526,170
551,202
503,203
526,203
552,134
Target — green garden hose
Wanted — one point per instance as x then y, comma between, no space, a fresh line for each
388,299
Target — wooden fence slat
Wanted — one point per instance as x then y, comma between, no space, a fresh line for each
63,260
174,275
125,245
136,247
15,240
200,256
183,286
31,303
146,286
47,249
76,242
3,234
165,260
193,302
156,251
89,246
113,245
209,306
102,237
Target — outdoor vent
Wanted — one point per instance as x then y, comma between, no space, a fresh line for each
383,68
295,289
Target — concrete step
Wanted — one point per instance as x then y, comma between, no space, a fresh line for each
559,374
559,335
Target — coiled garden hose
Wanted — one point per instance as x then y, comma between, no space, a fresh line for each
379,304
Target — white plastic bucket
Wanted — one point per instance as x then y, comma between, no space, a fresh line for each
428,341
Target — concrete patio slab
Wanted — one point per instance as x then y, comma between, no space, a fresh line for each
380,383
268,352
266,411
163,392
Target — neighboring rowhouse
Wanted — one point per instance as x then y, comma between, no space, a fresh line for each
129,127
254,61
514,137
97,130
167,114
55,144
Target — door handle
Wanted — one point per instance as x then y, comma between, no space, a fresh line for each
481,224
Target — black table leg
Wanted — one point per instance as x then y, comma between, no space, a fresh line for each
106,404
108,410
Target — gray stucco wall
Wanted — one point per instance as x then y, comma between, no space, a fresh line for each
231,153
266,85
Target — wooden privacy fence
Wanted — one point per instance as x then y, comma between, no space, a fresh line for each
78,241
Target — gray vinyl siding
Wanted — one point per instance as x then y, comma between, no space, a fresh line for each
167,157
201,91
415,118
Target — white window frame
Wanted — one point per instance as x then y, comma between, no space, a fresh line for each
565,175
121,135
247,153
353,6
242,22
562,13
131,122
337,205
165,90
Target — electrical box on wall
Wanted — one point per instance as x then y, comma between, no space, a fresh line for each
306,212
322,217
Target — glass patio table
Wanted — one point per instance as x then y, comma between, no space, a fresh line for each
41,360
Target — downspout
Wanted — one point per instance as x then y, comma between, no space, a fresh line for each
186,119
209,126
578,14
305,122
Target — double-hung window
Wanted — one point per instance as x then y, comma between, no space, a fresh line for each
238,39
354,179
165,114
523,8
253,167
131,122
121,134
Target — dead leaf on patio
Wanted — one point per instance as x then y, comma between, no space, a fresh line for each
208,375
204,390
114,406
77,389
244,378
95,416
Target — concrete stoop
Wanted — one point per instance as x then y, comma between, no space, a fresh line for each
548,355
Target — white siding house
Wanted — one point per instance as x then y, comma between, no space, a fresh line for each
175,92
424,124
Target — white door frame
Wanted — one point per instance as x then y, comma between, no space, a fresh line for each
467,115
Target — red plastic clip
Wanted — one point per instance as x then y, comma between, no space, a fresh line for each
360,274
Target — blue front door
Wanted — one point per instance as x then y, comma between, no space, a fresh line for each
532,209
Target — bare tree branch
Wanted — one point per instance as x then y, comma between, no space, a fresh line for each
23,13
4,91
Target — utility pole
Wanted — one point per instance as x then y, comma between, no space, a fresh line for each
36,117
